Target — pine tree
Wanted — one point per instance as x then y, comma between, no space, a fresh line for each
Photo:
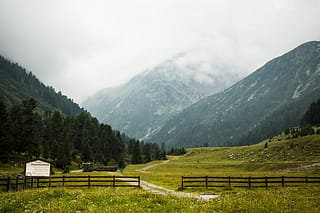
5,139
64,154
16,127
146,151
29,137
136,155
122,163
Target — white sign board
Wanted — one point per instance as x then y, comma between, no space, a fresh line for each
38,168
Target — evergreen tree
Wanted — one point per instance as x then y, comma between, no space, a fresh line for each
312,116
16,130
29,138
122,162
5,139
64,154
146,152
136,155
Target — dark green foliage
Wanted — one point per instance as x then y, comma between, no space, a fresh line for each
146,152
306,130
39,123
122,162
312,116
57,137
5,137
142,152
177,151
16,84
136,154
64,155
63,139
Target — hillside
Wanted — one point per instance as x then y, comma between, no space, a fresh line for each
268,101
17,84
143,105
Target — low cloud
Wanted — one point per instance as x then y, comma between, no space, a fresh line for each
80,46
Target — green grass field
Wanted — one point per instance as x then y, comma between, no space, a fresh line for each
138,200
294,157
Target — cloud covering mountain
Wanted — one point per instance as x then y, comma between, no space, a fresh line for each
97,44
140,107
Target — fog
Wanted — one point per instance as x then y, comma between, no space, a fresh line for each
80,46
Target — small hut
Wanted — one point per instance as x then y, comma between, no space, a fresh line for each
87,167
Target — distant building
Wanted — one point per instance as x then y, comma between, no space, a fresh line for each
87,167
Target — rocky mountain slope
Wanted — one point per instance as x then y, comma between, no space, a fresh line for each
269,100
142,106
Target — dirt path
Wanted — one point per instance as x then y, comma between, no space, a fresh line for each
302,168
144,169
165,191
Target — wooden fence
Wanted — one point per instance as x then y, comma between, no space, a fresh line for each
18,183
247,182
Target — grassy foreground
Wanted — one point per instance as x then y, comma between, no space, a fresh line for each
138,200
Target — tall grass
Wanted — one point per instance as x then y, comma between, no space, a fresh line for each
138,200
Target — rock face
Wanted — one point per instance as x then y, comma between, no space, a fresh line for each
142,106
269,100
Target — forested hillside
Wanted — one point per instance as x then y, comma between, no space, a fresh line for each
17,84
25,133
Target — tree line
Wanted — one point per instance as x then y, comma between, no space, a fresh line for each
27,133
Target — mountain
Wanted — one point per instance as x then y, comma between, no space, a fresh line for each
264,103
17,84
143,105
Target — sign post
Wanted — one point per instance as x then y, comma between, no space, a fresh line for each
38,168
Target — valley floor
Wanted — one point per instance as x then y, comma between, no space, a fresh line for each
161,181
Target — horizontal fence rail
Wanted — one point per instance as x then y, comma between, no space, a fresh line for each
18,183
246,182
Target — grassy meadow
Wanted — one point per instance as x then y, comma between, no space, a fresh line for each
292,157
138,200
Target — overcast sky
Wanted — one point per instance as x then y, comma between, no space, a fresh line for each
79,47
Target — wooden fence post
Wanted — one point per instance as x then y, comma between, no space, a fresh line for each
182,186
307,180
17,183
138,181
206,182
63,180
24,182
282,181
114,181
229,181
49,181
266,178
249,181
88,181
8,184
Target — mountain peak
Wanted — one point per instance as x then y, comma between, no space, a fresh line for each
141,106
275,94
